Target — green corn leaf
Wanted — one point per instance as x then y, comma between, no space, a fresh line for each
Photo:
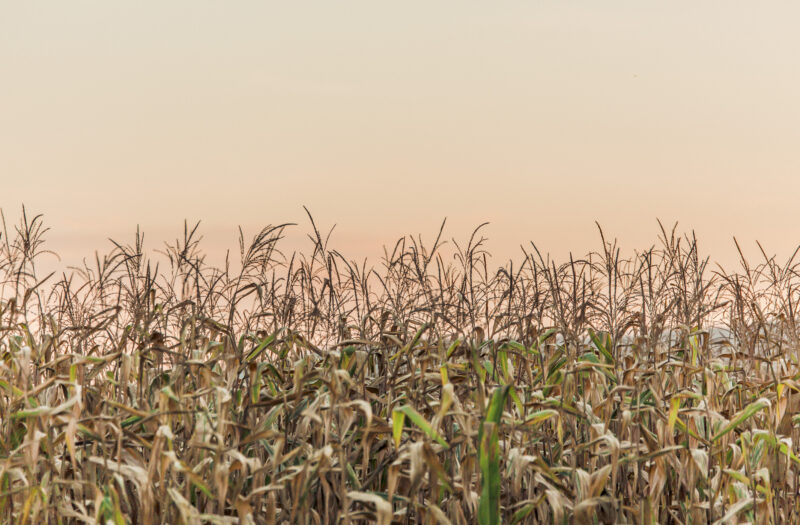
35,412
453,347
749,411
517,401
522,513
418,420
602,344
497,404
398,420
540,415
260,348
489,506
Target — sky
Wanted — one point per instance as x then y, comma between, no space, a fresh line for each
386,118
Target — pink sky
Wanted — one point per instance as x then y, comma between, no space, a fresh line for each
540,117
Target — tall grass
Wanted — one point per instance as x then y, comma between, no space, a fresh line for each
308,388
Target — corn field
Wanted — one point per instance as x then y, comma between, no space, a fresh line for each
433,387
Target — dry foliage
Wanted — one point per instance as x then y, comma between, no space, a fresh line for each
311,389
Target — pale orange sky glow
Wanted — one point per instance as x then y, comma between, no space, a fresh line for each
539,117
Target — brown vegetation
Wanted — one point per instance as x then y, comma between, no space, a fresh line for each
311,389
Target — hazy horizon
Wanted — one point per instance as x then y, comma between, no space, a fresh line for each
539,118
74,248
